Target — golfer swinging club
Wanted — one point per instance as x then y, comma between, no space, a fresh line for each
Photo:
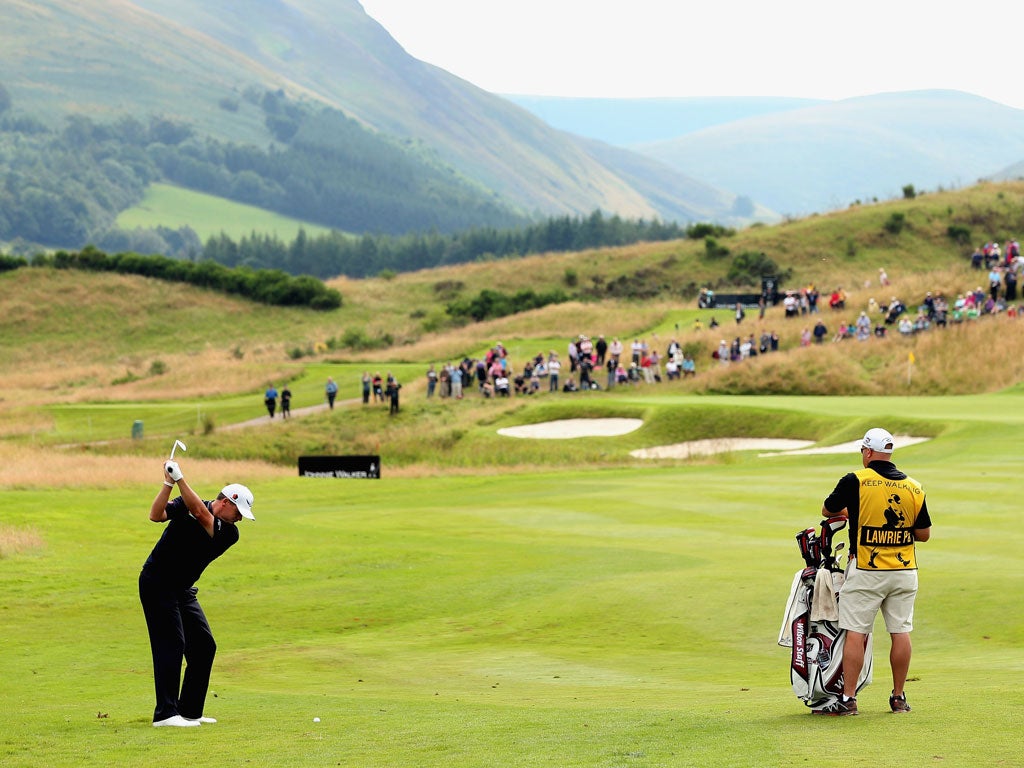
888,514
197,533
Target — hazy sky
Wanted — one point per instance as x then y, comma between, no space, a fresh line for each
643,48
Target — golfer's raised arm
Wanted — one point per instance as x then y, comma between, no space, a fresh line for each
158,512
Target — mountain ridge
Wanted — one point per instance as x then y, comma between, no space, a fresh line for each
331,53
633,122
828,156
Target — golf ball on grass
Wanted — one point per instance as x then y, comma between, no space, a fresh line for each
316,719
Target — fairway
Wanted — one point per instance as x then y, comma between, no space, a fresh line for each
613,617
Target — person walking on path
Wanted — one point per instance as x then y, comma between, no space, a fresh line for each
286,402
378,389
197,532
331,390
887,514
270,400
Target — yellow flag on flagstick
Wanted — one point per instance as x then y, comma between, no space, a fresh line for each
910,357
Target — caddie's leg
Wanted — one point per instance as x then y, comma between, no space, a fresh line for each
853,661
899,660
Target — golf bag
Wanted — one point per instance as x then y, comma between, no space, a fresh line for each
810,624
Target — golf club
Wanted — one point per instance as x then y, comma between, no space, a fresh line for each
177,444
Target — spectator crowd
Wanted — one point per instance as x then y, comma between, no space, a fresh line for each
596,363
588,364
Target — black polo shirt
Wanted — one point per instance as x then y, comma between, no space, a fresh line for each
185,548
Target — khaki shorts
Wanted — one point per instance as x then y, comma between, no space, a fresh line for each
865,593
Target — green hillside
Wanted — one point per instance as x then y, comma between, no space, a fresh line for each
333,50
87,47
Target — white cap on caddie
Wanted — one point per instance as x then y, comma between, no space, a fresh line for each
879,440
241,497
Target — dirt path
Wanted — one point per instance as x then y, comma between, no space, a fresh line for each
296,413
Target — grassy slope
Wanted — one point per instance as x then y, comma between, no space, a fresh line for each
85,43
494,601
169,206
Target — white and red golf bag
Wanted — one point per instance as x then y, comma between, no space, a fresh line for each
810,624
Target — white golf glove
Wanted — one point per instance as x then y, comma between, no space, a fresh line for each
173,470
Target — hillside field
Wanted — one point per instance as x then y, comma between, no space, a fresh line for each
165,205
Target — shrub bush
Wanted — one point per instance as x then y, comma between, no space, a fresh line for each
268,286
958,234
749,267
714,251
895,223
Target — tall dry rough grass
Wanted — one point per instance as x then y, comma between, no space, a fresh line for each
210,372
26,467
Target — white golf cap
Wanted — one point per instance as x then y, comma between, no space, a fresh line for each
878,439
241,497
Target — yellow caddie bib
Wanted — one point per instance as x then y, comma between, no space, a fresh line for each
888,511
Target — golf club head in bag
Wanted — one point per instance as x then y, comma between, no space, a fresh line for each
810,547
830,526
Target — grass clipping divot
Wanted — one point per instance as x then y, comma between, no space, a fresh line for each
16,541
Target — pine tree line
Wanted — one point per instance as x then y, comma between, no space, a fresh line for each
336,254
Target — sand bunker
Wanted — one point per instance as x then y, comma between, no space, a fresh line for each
570,428
718,445
567,428
902,441
775,447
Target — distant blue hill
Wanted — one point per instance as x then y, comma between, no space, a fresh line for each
628,122
801,156
828,156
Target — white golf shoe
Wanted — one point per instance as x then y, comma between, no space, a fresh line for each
201,719
177,721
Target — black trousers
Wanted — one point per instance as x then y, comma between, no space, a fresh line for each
178,631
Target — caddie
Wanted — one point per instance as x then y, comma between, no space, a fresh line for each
888,515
